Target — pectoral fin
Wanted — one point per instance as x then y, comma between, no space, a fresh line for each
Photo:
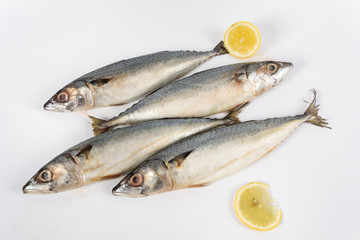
178,160
100,81
239,76
199,185
233,114
85,151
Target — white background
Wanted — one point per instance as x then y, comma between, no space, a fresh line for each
314,174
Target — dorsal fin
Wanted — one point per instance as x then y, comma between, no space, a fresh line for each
85,151
179,159
100,81
233,114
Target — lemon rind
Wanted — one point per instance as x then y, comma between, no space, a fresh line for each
238,212
256,33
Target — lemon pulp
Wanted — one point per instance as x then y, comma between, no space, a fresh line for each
256,208
242,39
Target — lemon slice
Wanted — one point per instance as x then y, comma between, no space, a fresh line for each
256,208
242,39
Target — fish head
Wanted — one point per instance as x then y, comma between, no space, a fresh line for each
149,178
73,97
265,75
61,174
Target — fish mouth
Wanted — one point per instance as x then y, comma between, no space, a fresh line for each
32,187
29,188
282,72
124,192
52,106
117,191
288,65
49,106
285,68
25,188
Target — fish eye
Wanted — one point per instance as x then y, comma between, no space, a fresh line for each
45,175
62,97
136,180
272,67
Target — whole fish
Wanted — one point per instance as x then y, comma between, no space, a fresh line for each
127,80
203,94
113,153
212,155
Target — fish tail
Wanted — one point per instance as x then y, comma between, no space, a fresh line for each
312,111
95,123
220,49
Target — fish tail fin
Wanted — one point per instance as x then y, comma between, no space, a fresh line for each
95,123
312,111
220,49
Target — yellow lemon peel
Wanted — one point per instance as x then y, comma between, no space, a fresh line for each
242,39
256,208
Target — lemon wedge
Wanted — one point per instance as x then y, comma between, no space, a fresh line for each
256,208
242,39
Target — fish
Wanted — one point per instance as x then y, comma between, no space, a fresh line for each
207,157
113,153
127,80
202,94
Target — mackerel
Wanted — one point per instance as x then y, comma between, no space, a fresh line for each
127,80
203,94
212,155
113,153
